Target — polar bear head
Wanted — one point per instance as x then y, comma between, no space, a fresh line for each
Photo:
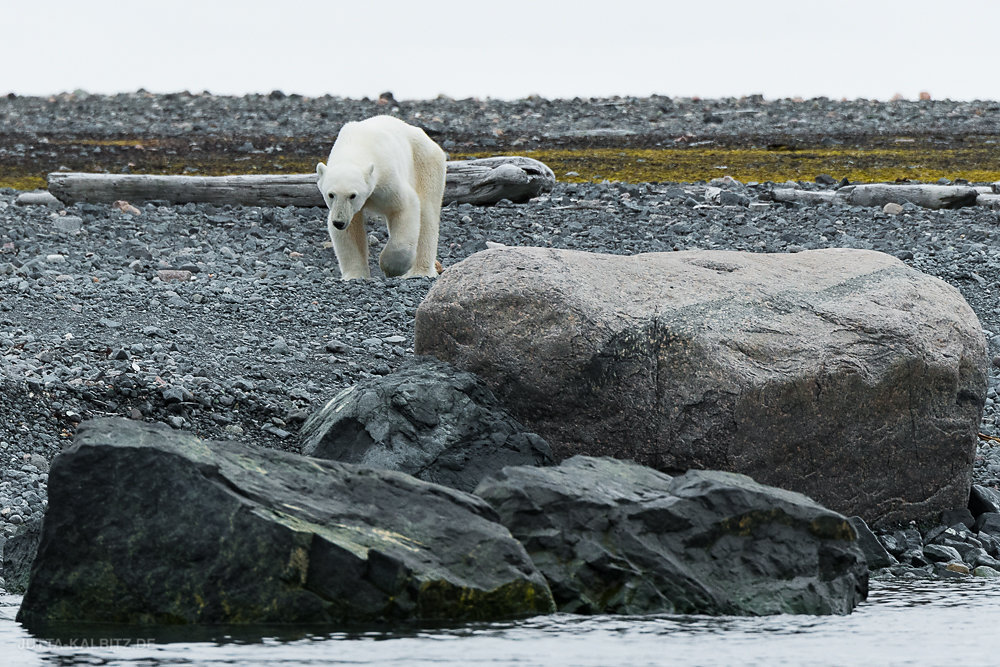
345,188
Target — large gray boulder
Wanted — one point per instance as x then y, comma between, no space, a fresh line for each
842,374
427,419
611,536
150,525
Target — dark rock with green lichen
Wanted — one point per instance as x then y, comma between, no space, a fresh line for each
148,525
427,419
616,537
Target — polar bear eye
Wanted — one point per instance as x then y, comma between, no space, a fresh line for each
353,195
332,196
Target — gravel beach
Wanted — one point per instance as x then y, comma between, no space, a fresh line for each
232,322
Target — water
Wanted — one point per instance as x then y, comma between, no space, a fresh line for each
902,623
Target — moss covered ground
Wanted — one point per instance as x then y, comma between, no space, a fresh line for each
886,161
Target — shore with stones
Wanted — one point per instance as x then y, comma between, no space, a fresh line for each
232,323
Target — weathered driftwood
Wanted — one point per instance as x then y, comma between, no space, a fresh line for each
483,182
488,180
988,199
927,196
880,194
794,195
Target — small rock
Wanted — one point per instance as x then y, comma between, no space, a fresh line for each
989,523
335,346
826,179
984,498
986,572
730,198
280,347
892,208
176,275
176,395
68,224
125,207
938,553
39,462
280,433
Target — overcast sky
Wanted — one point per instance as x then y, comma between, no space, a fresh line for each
505,48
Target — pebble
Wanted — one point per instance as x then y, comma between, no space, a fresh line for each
986,572
68,224
125,207
176,275
280,347
892,208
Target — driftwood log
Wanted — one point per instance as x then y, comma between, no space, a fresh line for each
482,182
880,194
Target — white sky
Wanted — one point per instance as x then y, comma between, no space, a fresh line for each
505,48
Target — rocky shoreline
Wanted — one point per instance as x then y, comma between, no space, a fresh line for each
198,133
232,323
491,123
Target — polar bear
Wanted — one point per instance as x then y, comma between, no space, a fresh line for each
384,166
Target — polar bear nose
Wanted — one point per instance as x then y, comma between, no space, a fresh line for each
340,225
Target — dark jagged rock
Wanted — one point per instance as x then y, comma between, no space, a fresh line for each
983,499
875,554
958,516
988,522
18,554
149,525
427,419
615,537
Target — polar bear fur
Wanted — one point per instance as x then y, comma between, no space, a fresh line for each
386,167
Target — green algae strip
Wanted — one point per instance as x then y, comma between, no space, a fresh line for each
914,161
979,164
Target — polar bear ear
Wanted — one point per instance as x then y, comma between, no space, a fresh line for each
371,171
320,169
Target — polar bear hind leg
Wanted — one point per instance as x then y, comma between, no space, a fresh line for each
429,164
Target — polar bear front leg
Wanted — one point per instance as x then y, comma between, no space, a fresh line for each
401,250
351,247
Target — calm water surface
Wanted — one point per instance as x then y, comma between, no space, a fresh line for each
902,623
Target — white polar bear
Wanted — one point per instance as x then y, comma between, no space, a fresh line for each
384,166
